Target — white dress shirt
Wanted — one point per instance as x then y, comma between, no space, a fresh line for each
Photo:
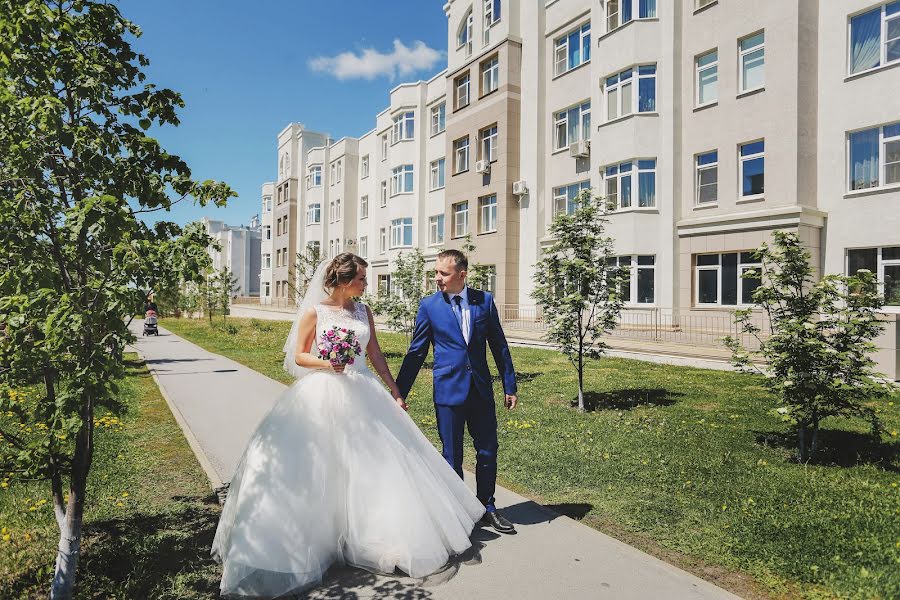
466,311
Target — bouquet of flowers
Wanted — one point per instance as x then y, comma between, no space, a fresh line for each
339,346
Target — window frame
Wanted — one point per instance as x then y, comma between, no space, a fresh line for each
314,209
698,170
266,260
437,175
699,71
634,8
364,167
745,159
488,140
634,81
740,268
436,229
564,196
742,56
562,57
617,172
401,229
438,118
364,206
364,246
561,125
400,177
464,81
489,69
460,217
266,232
382,240
460,148
384,146
883,27
882,165
634,268
467,27
880,264
384,193
403,127
487,223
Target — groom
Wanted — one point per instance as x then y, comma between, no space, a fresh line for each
459,320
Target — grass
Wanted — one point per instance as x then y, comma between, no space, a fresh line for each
687,464
149,518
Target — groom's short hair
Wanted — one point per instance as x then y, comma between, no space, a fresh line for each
459,259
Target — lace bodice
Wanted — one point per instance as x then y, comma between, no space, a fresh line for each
357,320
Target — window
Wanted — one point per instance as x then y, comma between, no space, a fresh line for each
572,49
384,194
708,178
332,177
436,230
337,209
313,214
621,12
382,240
875,38
267,288
487,213
620,97
491,18
384,147
884,263
313,249
401,232
331,212
707,78
284,225
753,169
267,232
267,260
490,75
465,32
437,174
752,65
278,257
364,246
490,272
403,128
564,197
461,155
640,270
314,177
340,170
402,180
267,204
364,167
462,91
719,278
488,143
620,183
438,118
364,207
874,157
384,285
460,219
572,125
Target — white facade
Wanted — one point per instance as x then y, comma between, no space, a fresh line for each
240,251
266,242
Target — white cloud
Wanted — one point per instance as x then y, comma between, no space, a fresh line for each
370,63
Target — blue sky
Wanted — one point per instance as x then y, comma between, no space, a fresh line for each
247,69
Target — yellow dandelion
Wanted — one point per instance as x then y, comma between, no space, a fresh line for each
124,494
120,504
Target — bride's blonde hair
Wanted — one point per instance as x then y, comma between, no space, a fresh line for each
342,269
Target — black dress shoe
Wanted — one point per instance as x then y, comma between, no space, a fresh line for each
498,522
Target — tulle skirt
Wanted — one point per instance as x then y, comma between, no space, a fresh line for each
338,473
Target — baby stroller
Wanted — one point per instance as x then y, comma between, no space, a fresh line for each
150,324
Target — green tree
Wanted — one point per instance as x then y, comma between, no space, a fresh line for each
77,171
818,354
577,285
478,275
305,267
407,290
226,287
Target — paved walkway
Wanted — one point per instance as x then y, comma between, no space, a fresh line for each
218,404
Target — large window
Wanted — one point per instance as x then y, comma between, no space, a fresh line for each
488,143
707,180
875,38
364,167
402,180
752,62
403,127
461,155
707,78
620,12
267,232
629,180
487,213
364,246
874,157
364,207
462,91
267,260
460,219
490,75
437,174
314,214
401,232
491,18
564,197
753,169
465,32
436,230
884,263
621,100
314,176
719,278
640,273
438,118
267,204
573,49
572,125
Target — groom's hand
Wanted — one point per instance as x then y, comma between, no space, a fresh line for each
511,401
401,402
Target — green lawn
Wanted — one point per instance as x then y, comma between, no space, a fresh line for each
149,520
684,463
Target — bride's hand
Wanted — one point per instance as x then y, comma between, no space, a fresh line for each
401,402
339,368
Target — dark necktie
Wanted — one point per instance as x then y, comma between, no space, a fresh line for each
457,311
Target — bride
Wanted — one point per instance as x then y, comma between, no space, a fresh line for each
337,472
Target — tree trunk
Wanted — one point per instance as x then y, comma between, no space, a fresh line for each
815,439
580,369
802,442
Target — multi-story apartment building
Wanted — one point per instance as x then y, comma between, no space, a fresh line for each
266,245
240,250
708,124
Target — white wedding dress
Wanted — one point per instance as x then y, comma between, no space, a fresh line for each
337,472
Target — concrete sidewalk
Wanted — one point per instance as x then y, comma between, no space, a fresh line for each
218,404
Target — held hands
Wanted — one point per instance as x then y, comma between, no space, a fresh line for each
338,368
401,402
511,401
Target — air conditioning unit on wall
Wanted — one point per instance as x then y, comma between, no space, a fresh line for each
483,166
520,188
580,149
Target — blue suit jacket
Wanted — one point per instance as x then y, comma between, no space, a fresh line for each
457,365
